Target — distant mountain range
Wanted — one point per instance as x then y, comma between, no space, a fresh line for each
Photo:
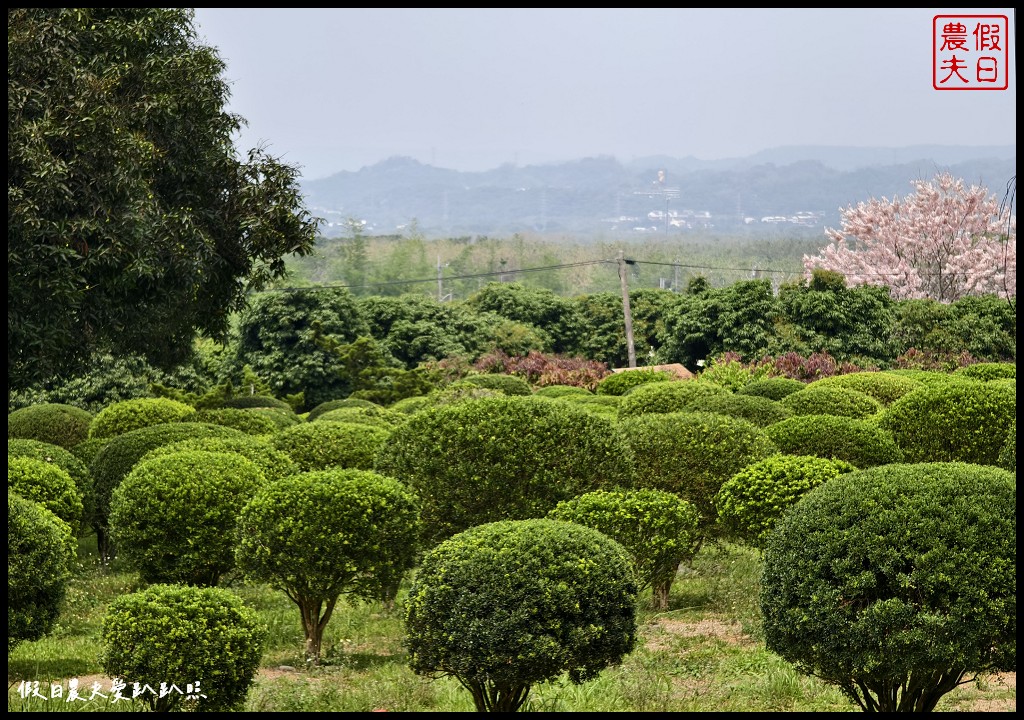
801,188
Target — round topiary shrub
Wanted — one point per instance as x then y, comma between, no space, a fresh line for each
507,605
203,642
47,484
1008,453
173,518
66,461
861,443
128,415
950,422
335,404
987,371
884,387
622,382
325,444
272,462
319,535
773,388
245,402
752,501
658,529
817,399
604,405
508,384
760,411
55,423
692,454
379,417
666,397
898,583
560,391
40,557
280,417
502,458
248,422
410,405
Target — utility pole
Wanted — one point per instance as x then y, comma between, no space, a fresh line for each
625,308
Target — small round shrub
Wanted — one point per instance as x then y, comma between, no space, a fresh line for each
328,444
378,416
560,391
666,397
502,458
335,404
508,384
884,387
40,557
987,371
507,605
128,415
280,417
752,501
47,484
692,454
622,382
245,402
761,411
273,463
248,422
859,442
658,529
410,405
203,640
457,392
87,450
950,422
895,583
1008,453
173,518
773,388
818,399
66,461
603,405
927,377
54,423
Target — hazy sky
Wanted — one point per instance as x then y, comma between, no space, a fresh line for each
472,89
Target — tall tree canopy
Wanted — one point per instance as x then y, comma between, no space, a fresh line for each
131,223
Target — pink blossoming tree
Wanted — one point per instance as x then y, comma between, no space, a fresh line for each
944,242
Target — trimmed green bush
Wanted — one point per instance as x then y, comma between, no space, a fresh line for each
47,484
952,422
884,387
502,458
861,443
203,641
40,558
281,418
752,501
410,405
818,399
66,461
761,411
603,405
273,463
246,402
1008,453
508,384
128,415
898,583
666,397
773,388
987,371
248,422
319,535
87,450
173,518
55,423
692,454
328,444
507,605
335,404
658,529
377,416
560,391
622,382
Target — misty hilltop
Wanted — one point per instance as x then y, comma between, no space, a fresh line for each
795,188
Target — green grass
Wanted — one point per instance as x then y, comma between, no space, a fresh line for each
705,653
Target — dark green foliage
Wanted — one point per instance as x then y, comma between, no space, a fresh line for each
331,444
604,335
87,450
761,411
186,637
658,529
987,371
272,463
132,222
66,461
335,404
885,387
774,388
560,391
751,502
502,458
47,484
556,316
508,384
508,605
319,535
1008,453
54,423
692,454
624,381
247,402
40,559
173,517
248,422
665,397
859,442
898,583
956,421
818,399
128,415
984,327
